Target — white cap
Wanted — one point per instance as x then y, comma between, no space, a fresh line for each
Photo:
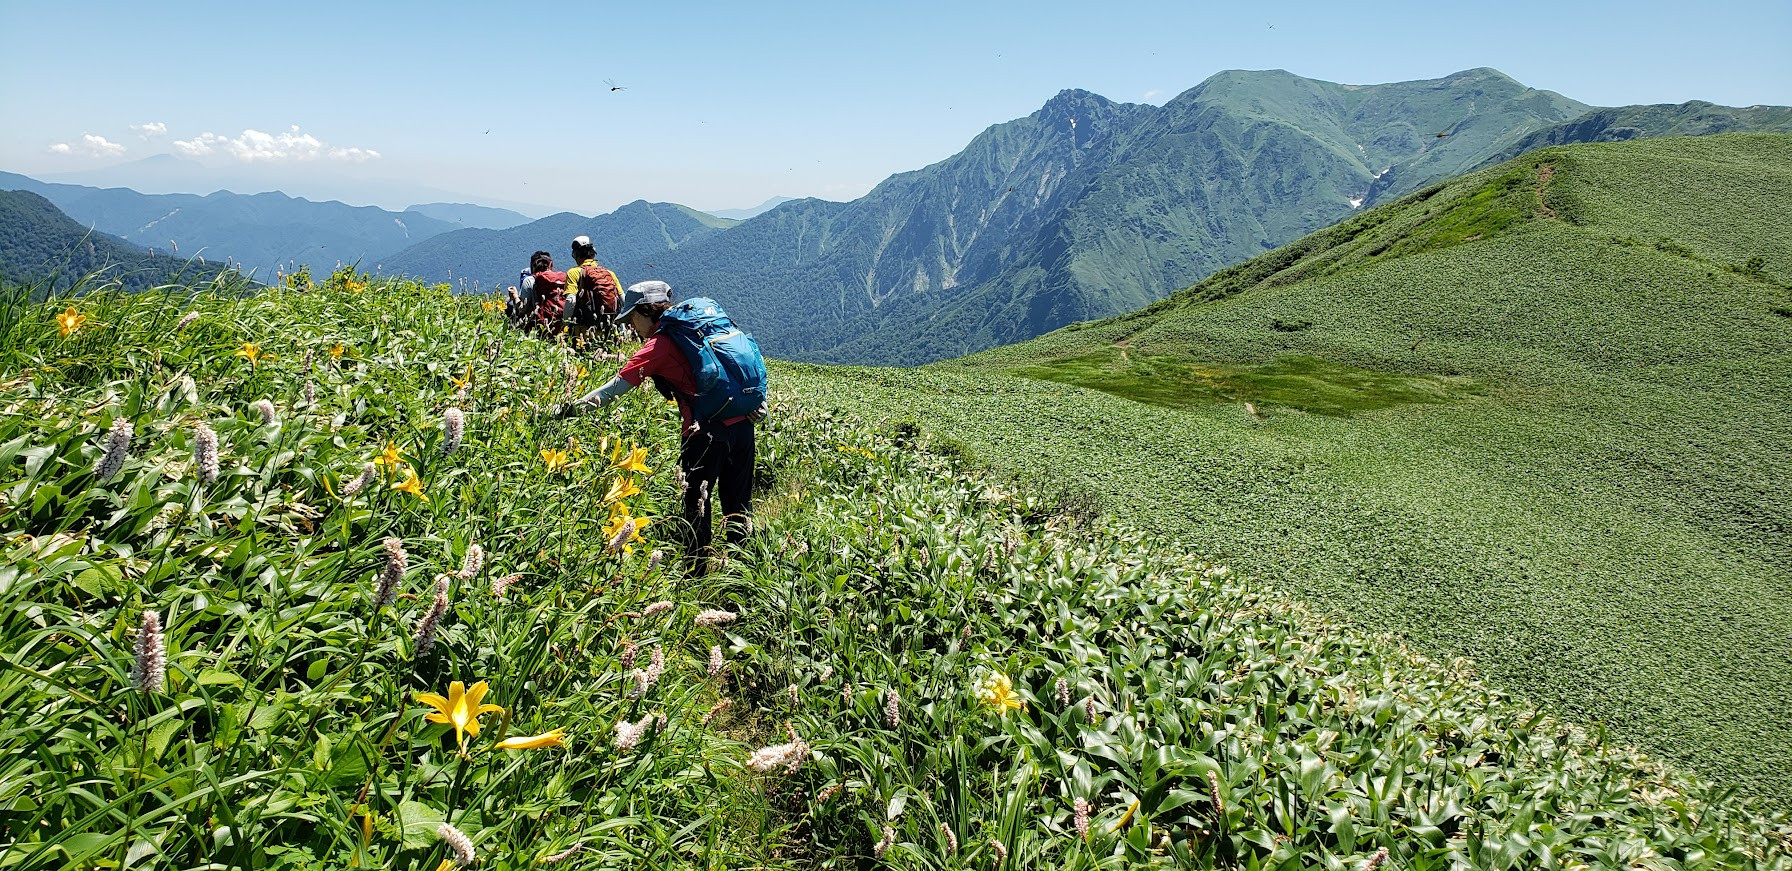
582,241
639,293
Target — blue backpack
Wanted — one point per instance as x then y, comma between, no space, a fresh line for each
727,365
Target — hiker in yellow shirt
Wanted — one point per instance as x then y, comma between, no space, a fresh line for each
593,310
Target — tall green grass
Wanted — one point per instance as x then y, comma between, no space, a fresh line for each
288,731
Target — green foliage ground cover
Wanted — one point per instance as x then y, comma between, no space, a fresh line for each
1598,519
1205,719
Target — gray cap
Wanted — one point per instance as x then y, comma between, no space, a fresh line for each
641,293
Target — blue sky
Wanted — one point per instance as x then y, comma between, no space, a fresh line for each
727,104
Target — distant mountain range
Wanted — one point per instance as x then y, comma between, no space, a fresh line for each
756,211
41,246
637,234
263,234
466,215
1084,209
318,181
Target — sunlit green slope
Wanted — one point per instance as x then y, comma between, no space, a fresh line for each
1534,416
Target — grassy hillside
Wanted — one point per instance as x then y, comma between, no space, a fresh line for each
1533,416
936,670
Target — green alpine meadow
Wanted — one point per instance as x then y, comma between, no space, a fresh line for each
1451,536
1534,417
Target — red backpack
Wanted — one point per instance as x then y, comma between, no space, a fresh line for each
550,290
598,291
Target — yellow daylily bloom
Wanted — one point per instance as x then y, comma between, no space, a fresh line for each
619,517
580,373
356,287
621,489
997,691
555,460
411,484
461,709
389,457
253,353
70,321
337,350
460,383
635,461
556,738
491,305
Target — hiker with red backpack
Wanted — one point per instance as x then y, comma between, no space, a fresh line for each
696,356
544,294
595,291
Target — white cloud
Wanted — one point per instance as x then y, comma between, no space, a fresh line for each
89,146
354,155
150,130
255,146
1154,92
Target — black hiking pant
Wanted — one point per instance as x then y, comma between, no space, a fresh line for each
717,461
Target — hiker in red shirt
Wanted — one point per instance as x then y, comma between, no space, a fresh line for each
716,454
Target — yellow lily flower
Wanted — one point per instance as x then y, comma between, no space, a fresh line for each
636,461
621,489
253,353
997,691
580,374
556,460
491,305
337,350
556,738
463,382
389,457
70,321
619,517
461,709
411,484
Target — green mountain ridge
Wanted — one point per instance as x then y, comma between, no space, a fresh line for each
1237,165
1531,416
42,247
1085,208
1692,118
